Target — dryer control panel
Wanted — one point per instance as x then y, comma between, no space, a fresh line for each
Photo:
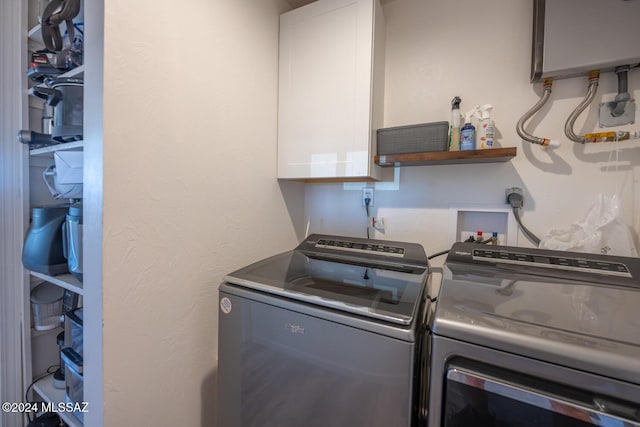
606,269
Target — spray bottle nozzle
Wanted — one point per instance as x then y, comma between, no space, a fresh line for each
455,103
484,112
469,114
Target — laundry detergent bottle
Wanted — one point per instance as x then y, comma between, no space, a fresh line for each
468,132
485,132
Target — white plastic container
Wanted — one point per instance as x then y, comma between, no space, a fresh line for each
485,131
454,132
46,305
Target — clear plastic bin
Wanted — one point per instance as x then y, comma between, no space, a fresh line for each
46,305
74,380
73,330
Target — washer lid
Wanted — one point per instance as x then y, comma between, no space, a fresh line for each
584,320
376,292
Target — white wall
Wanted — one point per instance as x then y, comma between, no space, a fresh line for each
481,51
190,109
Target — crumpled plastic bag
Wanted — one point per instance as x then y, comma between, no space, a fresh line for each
602,231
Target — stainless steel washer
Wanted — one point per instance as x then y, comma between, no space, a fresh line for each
528,337
328,334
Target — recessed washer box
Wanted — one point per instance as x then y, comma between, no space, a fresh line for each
467,219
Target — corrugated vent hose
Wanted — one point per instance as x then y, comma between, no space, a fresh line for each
545,142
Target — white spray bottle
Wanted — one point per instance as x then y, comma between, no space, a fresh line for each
486,131
454,131
468,132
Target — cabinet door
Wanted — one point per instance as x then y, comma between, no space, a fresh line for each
326,89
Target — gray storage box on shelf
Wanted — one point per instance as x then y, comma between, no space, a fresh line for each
413,138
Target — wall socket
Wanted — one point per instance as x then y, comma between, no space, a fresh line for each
367,193
378,223
518,197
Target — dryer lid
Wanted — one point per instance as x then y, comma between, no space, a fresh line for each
383,292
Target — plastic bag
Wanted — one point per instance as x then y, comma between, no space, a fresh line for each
603,231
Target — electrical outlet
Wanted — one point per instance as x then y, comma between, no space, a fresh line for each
517,191
378,222
367,193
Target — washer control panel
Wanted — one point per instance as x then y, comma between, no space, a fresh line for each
344,245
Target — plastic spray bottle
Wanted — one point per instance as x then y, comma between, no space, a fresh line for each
468,132
486,132
454,130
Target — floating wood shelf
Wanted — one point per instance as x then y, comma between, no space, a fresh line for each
487,155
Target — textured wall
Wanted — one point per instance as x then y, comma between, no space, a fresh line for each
190,108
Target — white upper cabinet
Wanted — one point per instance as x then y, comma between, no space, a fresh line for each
331,86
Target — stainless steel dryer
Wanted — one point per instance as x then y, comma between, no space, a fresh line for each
529,337
328,334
